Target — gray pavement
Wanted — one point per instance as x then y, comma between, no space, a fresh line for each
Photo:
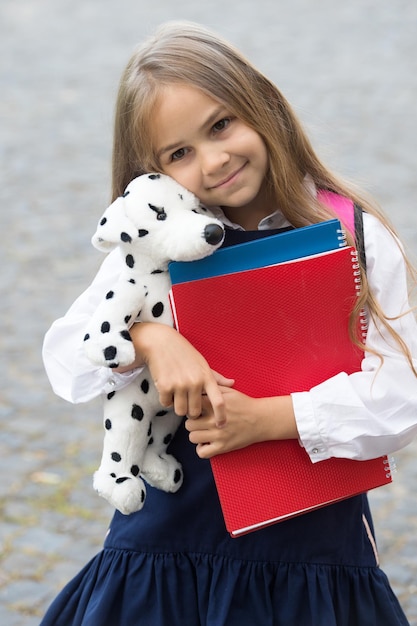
350,71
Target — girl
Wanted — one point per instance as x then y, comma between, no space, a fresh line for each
191,106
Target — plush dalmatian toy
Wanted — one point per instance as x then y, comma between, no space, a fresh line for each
155,221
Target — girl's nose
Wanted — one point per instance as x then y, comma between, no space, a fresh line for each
213,159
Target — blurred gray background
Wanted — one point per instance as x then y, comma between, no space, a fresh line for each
350,71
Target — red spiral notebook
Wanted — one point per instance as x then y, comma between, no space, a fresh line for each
278,329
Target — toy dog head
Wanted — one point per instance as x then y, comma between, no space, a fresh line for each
159,218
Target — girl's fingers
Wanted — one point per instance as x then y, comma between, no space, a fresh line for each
222,380
166,397
206,450
181,403
203,423
215,397
194,404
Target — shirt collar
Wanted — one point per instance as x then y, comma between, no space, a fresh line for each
274,220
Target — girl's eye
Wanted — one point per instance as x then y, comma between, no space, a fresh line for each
178,154
221,124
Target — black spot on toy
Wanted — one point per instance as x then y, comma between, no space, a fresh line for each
158,309
145,385
105,327
137,412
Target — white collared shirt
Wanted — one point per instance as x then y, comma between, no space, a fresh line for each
357,416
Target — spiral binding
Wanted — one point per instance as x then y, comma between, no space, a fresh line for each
341,237
363,321
390,466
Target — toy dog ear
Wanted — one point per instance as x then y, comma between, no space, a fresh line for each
114,227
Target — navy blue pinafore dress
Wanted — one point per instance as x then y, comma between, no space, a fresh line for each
174,564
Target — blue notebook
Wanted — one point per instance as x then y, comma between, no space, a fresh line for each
293,244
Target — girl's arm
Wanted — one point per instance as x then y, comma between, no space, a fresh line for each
181,374
71,374
361,416
374,411
248,420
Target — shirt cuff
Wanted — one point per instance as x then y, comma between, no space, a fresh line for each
119,380
98,381
308,430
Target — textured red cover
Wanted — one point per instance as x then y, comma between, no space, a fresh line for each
276,330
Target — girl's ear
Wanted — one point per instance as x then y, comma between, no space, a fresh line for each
114,227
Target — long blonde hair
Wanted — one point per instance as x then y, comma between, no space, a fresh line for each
183,52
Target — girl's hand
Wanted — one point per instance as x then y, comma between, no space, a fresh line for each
248,420
181,374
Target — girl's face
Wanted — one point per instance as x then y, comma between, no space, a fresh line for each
212,153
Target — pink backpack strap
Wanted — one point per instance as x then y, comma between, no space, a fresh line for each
343,207
349,214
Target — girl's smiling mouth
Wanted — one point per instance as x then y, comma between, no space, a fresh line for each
230,179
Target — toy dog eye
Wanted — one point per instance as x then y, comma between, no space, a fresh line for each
160,212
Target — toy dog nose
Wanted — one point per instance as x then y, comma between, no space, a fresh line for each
213,234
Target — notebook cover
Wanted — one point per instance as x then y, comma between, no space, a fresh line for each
276,330
261,252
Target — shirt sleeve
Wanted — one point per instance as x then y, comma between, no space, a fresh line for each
71,374
374,411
